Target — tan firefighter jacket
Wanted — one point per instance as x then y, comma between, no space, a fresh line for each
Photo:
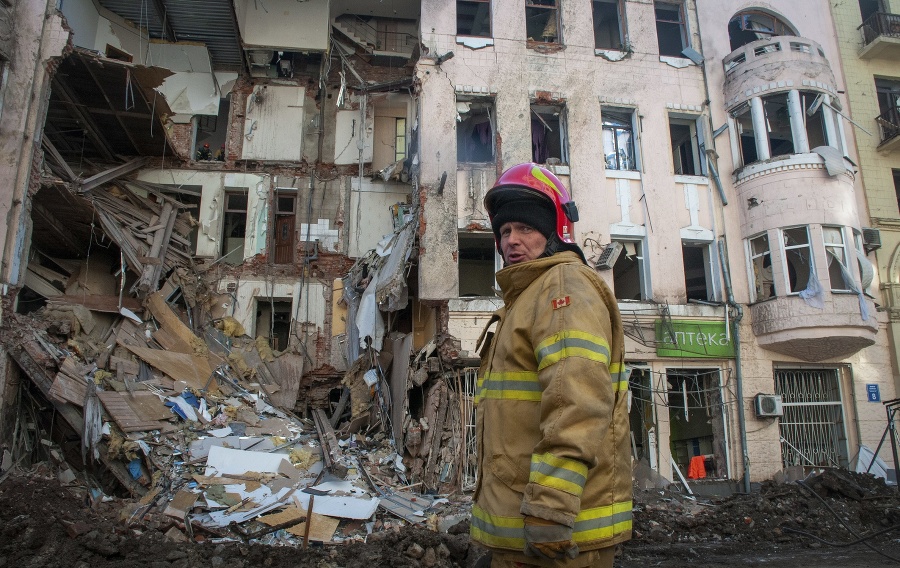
551,409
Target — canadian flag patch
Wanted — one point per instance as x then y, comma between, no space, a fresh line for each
560,302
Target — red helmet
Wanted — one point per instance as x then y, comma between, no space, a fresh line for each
530,179
206,145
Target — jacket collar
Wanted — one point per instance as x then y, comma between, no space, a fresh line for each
513,280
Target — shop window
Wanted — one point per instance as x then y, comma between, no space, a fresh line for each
778,124
752,25
761,268
542,21
609,24
698,279
812,426
478,262
696,420
836,256
234,226
687,147
473,18
746,134
475,140
797,257
671,31
548,135
618,139
629,273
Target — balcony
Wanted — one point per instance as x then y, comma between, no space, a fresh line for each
380,37
889,125
881,37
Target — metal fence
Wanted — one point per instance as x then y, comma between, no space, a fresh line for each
880,24
812,427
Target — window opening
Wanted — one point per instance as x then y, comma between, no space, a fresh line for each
273,321
618,139
686,155
696,418
836,253
478,262
234,226
746,134
609,28
473,18
778,124
475,141
213,130
896,174
798,258
751,25
888,94
643,415
542,21
671,33
697,272
548,135
814,117
868,8
761,266
628,272
812,427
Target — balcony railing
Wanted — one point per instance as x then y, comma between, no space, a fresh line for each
377,40
880,24
889,124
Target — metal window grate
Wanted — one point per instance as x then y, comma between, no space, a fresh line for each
467,405
812,428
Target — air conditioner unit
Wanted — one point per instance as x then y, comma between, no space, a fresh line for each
871,239
609,255
769,405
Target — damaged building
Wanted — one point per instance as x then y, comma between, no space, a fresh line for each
271,213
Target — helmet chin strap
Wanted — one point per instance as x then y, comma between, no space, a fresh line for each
552,246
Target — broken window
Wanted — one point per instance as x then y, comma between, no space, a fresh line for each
548,135
812,426
473,18
213,130
285,220
761,268
400,139
888,94
698,280
778,124
643,414
746,134
671,32
478,262
696,419
814,118
629,275
618,138
798,258
234,225
752,25
609,24
542,21
273,321
836,255
687,156
475,141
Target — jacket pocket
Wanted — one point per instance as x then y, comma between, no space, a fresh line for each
510,474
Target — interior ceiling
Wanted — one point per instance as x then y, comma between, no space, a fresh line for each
98,112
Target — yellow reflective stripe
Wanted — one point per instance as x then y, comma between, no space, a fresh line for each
620,375
496,530
510,385
558,473
571,344
602,522
590,524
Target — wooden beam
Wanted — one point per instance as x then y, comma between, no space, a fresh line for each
55,226
87,122
57,158
112,173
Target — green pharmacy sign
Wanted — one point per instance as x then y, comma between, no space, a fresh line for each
693,339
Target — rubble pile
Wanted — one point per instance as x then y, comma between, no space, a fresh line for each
827,506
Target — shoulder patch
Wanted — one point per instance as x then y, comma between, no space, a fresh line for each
560,302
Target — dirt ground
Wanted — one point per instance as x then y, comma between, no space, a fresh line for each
43,523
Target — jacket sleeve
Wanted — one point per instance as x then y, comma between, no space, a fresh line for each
571,338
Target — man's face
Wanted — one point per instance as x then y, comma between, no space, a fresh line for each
520,242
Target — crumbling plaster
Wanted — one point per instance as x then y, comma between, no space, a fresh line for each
284,24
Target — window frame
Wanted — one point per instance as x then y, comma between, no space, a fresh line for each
620,20
533,8
605,113
681,23
843,245
785,248
643,267
697,142
476,107
560,113
751,267
399,138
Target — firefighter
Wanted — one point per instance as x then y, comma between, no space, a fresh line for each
555,490
220,155
204,152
